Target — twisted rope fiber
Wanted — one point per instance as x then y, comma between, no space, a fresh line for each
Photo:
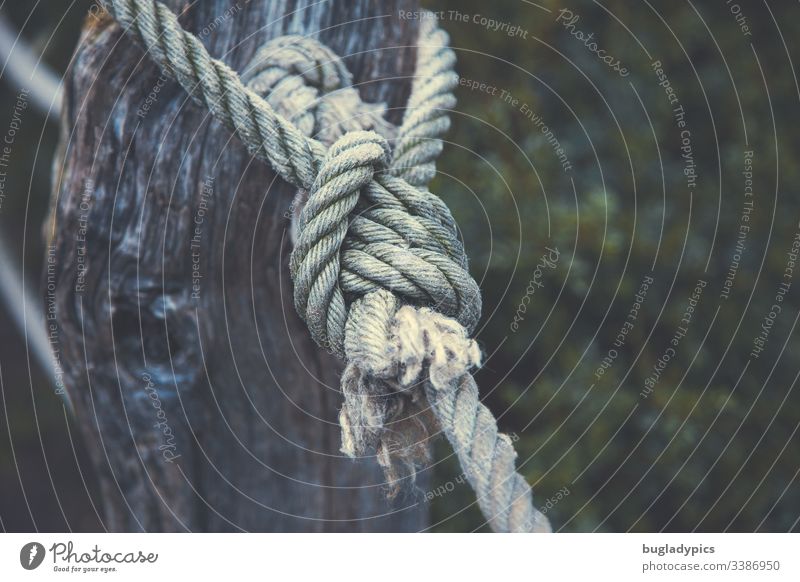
374,247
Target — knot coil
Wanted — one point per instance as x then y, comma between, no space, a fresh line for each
309,84
363,230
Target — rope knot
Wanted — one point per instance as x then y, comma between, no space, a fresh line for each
366,224
363,230
315,264
302,56
310,85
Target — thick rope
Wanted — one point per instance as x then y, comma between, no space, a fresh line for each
308,84
420,353
380,275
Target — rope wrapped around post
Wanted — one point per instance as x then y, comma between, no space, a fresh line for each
379,274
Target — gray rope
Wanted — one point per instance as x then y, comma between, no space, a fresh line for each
426,119
391,243
426,229
369,237
210,82
402,359
308,84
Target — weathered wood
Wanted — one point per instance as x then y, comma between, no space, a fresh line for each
150,191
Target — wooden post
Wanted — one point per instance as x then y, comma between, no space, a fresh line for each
203,401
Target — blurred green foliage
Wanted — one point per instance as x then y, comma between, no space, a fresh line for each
714,446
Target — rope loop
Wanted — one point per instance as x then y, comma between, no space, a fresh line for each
309,84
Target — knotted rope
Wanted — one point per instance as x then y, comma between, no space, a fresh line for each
380,275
